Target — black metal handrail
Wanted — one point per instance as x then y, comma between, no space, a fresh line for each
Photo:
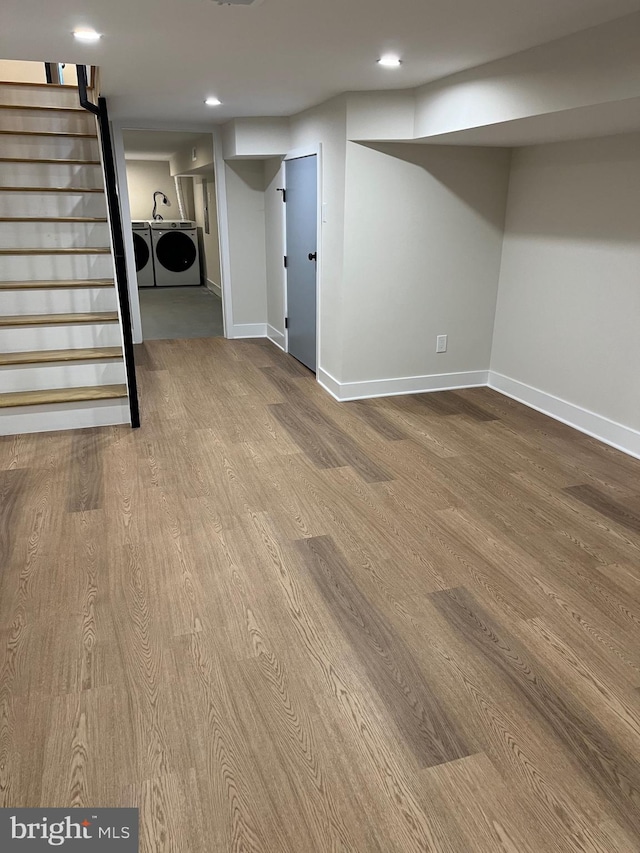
117,237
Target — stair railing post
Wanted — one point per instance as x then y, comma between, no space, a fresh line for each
117,238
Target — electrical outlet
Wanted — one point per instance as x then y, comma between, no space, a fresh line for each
441,343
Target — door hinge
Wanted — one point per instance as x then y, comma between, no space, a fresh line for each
285,261
284,193
286,322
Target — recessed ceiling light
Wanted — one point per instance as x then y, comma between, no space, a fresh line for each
390,60
87,35
213,102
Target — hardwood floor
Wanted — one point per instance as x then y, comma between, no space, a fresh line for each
273,622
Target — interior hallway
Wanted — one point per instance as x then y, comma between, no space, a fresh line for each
279,623
180,312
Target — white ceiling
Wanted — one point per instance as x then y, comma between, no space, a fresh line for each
155,144
161,58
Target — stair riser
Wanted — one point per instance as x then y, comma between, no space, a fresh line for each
50,175
40,235
52,204
49,147
39,96
44,267
63,416
17,303
42,377
81,122
76,336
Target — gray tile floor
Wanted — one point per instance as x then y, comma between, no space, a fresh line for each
180,312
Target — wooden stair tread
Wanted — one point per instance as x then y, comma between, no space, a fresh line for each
59,319
52,161
52,189
62,395
53,218
52,284
67,86
46,108
93,250
53,355
48,133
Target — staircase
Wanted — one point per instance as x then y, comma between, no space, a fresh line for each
61,361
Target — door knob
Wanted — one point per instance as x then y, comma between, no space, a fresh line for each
313,256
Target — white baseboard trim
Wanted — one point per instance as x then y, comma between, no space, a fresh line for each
344,391
89,413
249,330
329,383
275,336
597,426
213,287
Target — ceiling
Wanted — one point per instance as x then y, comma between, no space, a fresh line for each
161,58
155,144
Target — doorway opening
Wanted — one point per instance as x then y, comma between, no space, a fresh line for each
174,227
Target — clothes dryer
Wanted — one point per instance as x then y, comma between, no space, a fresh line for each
176,256
143,252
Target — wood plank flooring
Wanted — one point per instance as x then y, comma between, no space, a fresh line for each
277,623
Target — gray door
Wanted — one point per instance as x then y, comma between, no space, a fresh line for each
302,219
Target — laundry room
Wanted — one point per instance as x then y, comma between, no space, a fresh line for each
172,204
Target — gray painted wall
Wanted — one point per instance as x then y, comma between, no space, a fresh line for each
568,311
423,239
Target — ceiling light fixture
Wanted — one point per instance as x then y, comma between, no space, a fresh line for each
390,60
213,102
87,35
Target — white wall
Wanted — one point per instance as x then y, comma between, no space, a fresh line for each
247,254
255,137
381,116
144,177
182,161
568,313
423,239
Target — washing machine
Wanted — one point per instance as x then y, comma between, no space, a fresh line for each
175,252
144,254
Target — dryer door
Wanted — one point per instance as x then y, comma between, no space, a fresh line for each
141,249
176,251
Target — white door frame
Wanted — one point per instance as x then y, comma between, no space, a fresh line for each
117,128
295,154
223,231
